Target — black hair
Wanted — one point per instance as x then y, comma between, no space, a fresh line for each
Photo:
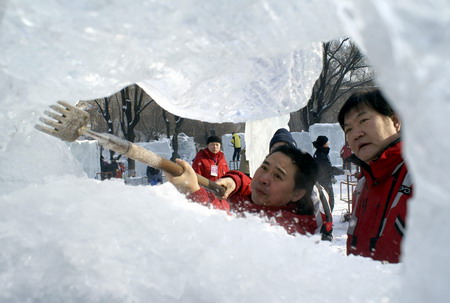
373,99
305,176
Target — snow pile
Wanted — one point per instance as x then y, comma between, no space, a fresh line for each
186,147
99,241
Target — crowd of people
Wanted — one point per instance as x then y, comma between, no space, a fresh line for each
294,189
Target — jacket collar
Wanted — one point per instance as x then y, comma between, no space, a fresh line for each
385,163
210,155
325,150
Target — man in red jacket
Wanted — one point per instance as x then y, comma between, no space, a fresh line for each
210,162
280,190
380,200
346,152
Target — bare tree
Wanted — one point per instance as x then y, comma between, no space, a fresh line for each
344,69
133,101
126,114
106,114
177,121
152,125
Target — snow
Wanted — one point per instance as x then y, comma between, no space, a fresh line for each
258,134
68,238
103,241
87,153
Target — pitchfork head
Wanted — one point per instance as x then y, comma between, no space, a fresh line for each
68,123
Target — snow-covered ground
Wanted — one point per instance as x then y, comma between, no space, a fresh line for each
71,239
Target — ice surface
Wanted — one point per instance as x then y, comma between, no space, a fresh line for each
258,134
68,238
186,147
87,152
161,147
407,42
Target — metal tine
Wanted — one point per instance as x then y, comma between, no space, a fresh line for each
68,122
50,131
63,111
54,116
68,106
51,123
68,110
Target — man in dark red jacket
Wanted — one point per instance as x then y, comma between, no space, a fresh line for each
346,152
280,190
210,162
378,220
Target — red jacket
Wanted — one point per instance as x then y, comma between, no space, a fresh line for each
205,159
346,151
240,202
380,200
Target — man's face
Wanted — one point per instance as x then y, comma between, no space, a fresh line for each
214,147
273,183
369,132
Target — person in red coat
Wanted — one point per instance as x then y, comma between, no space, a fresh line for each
378,220
279,191
346,152
210,162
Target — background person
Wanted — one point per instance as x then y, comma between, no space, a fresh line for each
345,153
378,221
210,162
154,175
236,142
326,170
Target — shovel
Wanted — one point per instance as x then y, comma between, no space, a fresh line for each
71,123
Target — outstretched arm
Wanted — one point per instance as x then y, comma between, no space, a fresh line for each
187,182
336,171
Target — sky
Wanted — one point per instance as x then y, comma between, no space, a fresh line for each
66,237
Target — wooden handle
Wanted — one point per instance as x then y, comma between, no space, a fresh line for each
218,190
145,156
